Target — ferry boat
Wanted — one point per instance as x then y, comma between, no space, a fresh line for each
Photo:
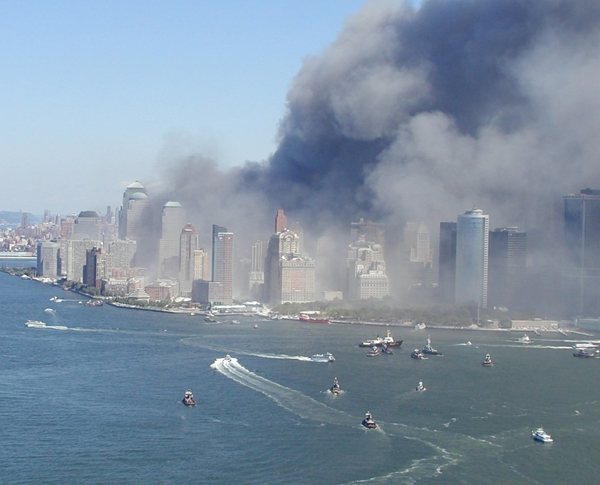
420,386
188,398
540,435
369,422
309,319
373,352
524,339
335,389
487,362
417,354
328,357
428,349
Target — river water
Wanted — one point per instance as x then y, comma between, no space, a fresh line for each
96,398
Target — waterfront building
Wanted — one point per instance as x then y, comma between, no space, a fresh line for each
447,262
366,272
581,264
507,267
206,292
162,290
48,259
76,254
94,268
472,244
172,222
222,269
187,246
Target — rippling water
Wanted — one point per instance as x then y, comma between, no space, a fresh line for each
100,401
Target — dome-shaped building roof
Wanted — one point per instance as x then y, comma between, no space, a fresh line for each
138,196
136,185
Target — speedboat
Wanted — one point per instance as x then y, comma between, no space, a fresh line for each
94,303
209,318
487,362
335,389
587,352
369,422
188,398
235,322
373,352
420,386
428,349
420,326
323,357
417,354
228,358
540,435
35,324
524,339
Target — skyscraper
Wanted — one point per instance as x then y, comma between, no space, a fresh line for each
135,203
187,248
201,265
581,267
507,266
280,221
173,220
87,226
447,262
366,271
48,259
472,242
222,270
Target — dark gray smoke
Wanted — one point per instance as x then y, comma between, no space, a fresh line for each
422,113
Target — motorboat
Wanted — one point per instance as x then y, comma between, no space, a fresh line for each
373,352
188,398
94,303
369,422
524,339
335,389
420,326
540,435
228,358
420,386
587,352
428,349
235,322
469,342
209,318
35,324
328,357
417,354
386,350
487,362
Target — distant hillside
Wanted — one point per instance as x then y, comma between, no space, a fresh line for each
15,217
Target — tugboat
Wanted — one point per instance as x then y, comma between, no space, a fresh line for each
389,340
417,354
386,350
540,435
428,349
374,352
369,422
188,398
335,389
420,386
487,362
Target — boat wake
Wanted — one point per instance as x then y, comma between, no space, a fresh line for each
289,399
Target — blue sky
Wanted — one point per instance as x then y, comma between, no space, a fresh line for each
94,95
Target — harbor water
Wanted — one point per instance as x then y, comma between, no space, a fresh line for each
96,398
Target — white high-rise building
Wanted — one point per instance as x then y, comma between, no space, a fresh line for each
173,221
472,242
135,203
187,248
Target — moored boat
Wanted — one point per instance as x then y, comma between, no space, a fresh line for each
335,389
188,398
487,362
540,435
309,319
369,422
428,349
327,357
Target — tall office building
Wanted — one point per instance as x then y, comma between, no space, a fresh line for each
289,276
257,273
280,221
472,242
507,267
447,262
187,247
201,265
222,269
373,232
581,266
88,225
48,259
366,271
135,203
173,220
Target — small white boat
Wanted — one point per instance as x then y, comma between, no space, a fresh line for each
374,352
235,322
420,386
322,357
417,354
35,324
255,325
369,422
188,398
540,435
524,339
469,342
420,326
228,358
487,362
